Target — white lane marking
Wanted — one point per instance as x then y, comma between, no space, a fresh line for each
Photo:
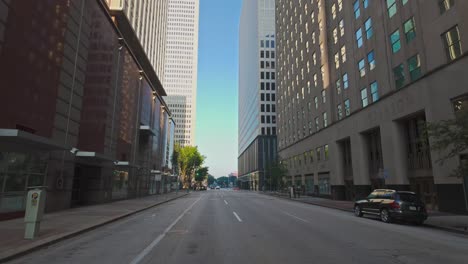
238,218
225,202
298,218
155,242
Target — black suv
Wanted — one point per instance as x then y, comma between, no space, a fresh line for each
392,205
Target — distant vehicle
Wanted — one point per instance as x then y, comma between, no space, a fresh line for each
392,205
236,189
217,188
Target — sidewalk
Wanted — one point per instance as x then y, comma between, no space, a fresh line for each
446,221
64,224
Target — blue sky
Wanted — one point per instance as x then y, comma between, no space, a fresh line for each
216,125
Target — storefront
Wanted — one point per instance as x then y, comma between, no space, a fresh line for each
18,172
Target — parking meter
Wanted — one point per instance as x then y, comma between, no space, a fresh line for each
35,203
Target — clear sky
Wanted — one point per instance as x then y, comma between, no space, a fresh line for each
216,125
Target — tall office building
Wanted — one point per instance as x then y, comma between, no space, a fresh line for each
257,92
148,19
357,81
181,67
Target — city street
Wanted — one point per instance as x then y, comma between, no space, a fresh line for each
223,226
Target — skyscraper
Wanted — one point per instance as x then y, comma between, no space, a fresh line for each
180,75
148,19
257,91
357,81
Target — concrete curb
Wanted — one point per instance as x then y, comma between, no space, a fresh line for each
54,240
448,229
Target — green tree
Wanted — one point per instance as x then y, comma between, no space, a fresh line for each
222,181
211,179
201,174
450,139
189,161
175,158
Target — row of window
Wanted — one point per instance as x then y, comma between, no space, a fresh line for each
308,157
267,75
268,119
267,64
267,86
268,108
267,54
269,131
267,43
267,97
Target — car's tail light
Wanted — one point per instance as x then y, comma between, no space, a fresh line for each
395,205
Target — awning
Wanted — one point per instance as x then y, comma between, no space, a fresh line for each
93,155
146,130
18,140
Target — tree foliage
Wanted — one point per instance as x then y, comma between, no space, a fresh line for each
450,139
201,174
222,181
189,160
211,179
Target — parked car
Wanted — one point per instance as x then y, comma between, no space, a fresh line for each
392,205
217,187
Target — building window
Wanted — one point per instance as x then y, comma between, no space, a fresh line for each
359,37
338,86
262,54
325,150
399,75
445,5
345,81
374,89
347,107
340,5
262,43
319,154
273,86
314,58
452,43
371,60
335,35
460,104
324,96
339,109
263,119
317,124
362,68
410,32
368,28
364,99
262,97
395,41
262,75
357,10
333,9
414,66
316,102
262,108
391,8
262,86
325,119
341,27
337,60
343,54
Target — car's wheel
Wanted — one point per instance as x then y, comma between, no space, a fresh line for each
357,211
385,216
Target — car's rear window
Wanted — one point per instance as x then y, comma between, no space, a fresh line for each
408,197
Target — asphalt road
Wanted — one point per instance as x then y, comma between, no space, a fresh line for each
221,226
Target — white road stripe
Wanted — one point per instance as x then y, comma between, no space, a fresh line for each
225,202
298,218
155,242
238,218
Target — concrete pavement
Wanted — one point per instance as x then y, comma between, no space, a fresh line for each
245,227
